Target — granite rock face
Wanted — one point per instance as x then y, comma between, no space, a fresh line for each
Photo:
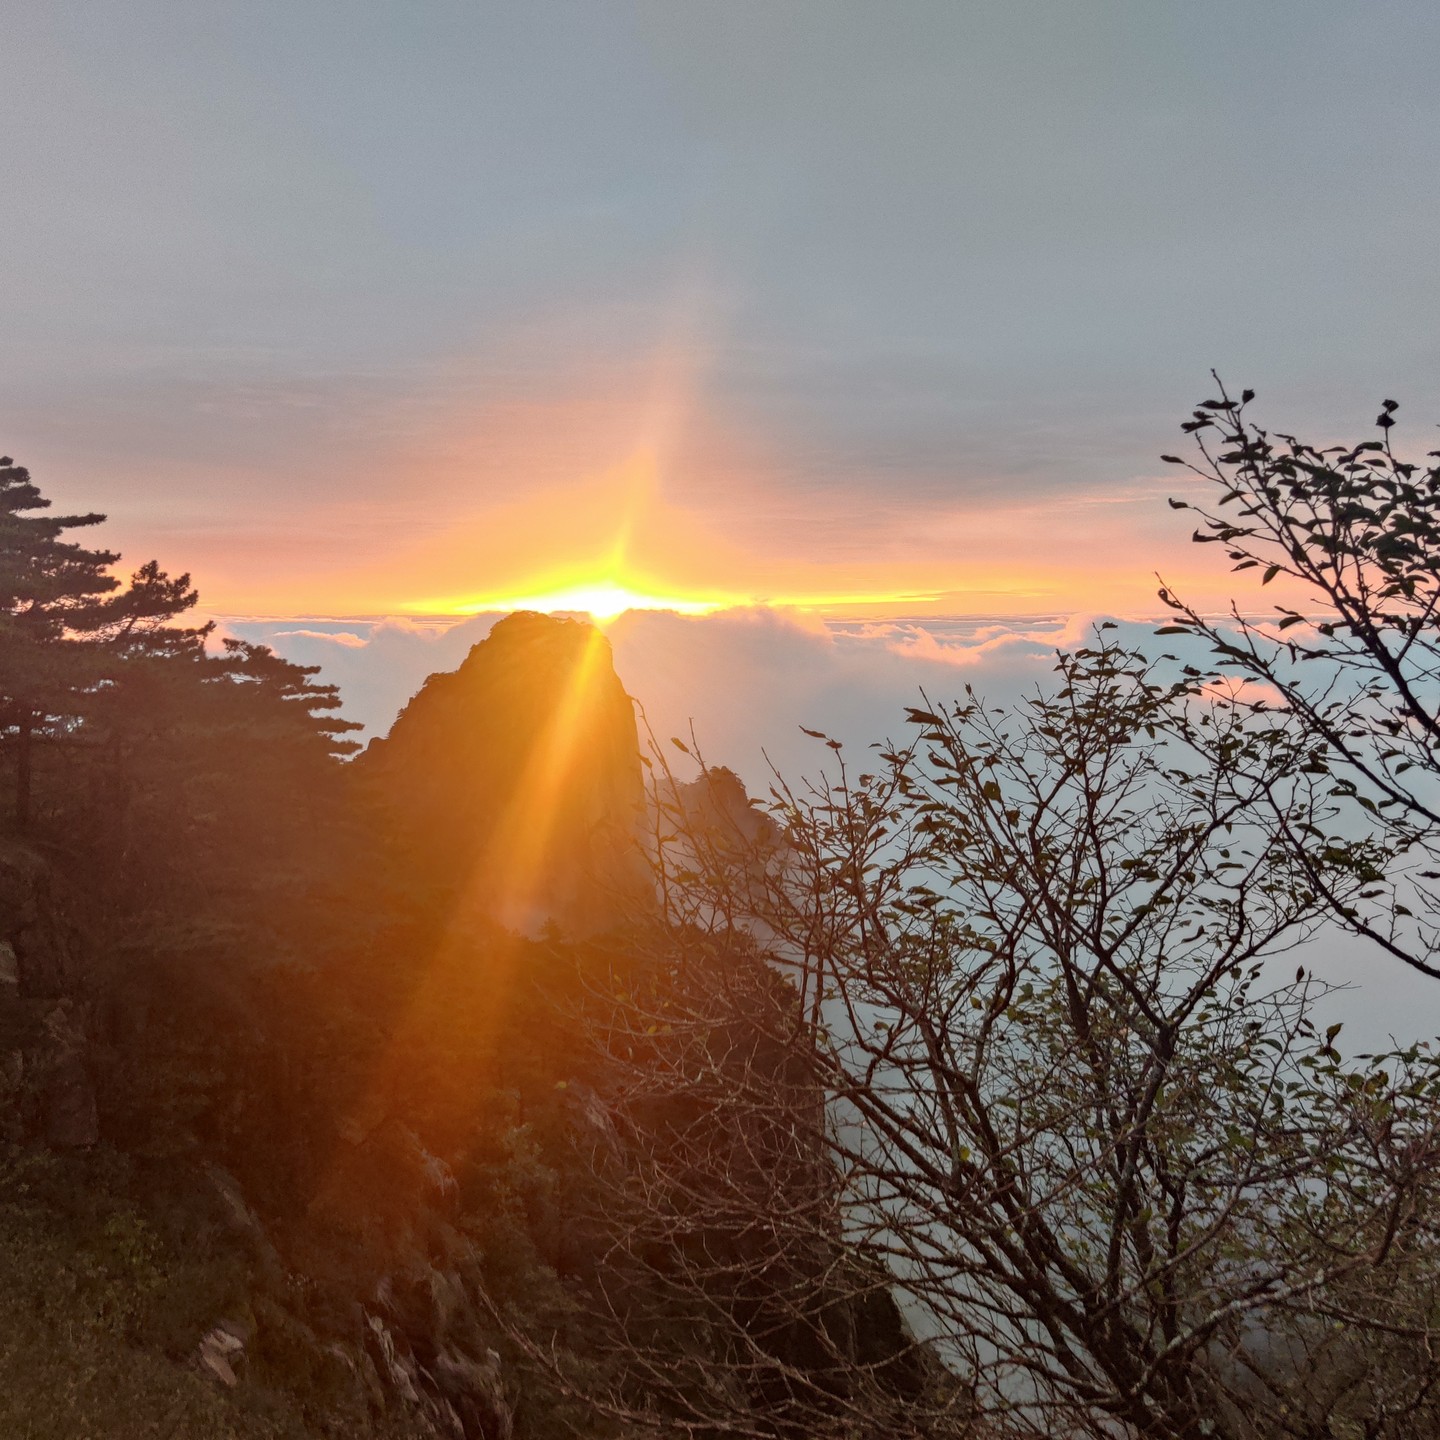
47,1086
515,781
41,943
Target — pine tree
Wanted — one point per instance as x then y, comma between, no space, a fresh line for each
66,622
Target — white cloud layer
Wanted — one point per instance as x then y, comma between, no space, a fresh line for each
746,681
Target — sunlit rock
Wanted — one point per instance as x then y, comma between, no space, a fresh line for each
221,1351
514,782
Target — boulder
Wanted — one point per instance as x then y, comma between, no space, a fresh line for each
397,1369
475,1389
221,1352
245,1225
386,1192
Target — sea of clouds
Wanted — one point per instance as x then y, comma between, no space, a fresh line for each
744,681
745,684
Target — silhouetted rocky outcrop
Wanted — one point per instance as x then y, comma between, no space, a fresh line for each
515,780
717,806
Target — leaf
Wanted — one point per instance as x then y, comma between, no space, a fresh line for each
1172,460
1172,630
1270,574
1246,396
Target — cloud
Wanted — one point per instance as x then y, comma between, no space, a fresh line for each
745,683
383,670
347,638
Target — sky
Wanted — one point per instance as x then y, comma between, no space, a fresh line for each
865,322
403,309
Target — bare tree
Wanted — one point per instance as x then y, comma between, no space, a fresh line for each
1355,530
998,1026
717,1289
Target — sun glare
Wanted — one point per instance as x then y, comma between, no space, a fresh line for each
600,599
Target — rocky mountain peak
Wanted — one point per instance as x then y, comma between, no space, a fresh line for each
515,780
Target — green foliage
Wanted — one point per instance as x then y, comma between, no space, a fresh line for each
170,768
1352,659
99,1305
273,990
998,1022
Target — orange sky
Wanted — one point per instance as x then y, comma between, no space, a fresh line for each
374,309
617,532
632,484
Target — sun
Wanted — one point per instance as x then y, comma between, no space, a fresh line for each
602,600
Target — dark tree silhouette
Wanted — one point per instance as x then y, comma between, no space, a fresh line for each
1353,660
65,620
171,763
1026,977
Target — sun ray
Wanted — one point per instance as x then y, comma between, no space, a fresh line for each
520,874
515,867
601,599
